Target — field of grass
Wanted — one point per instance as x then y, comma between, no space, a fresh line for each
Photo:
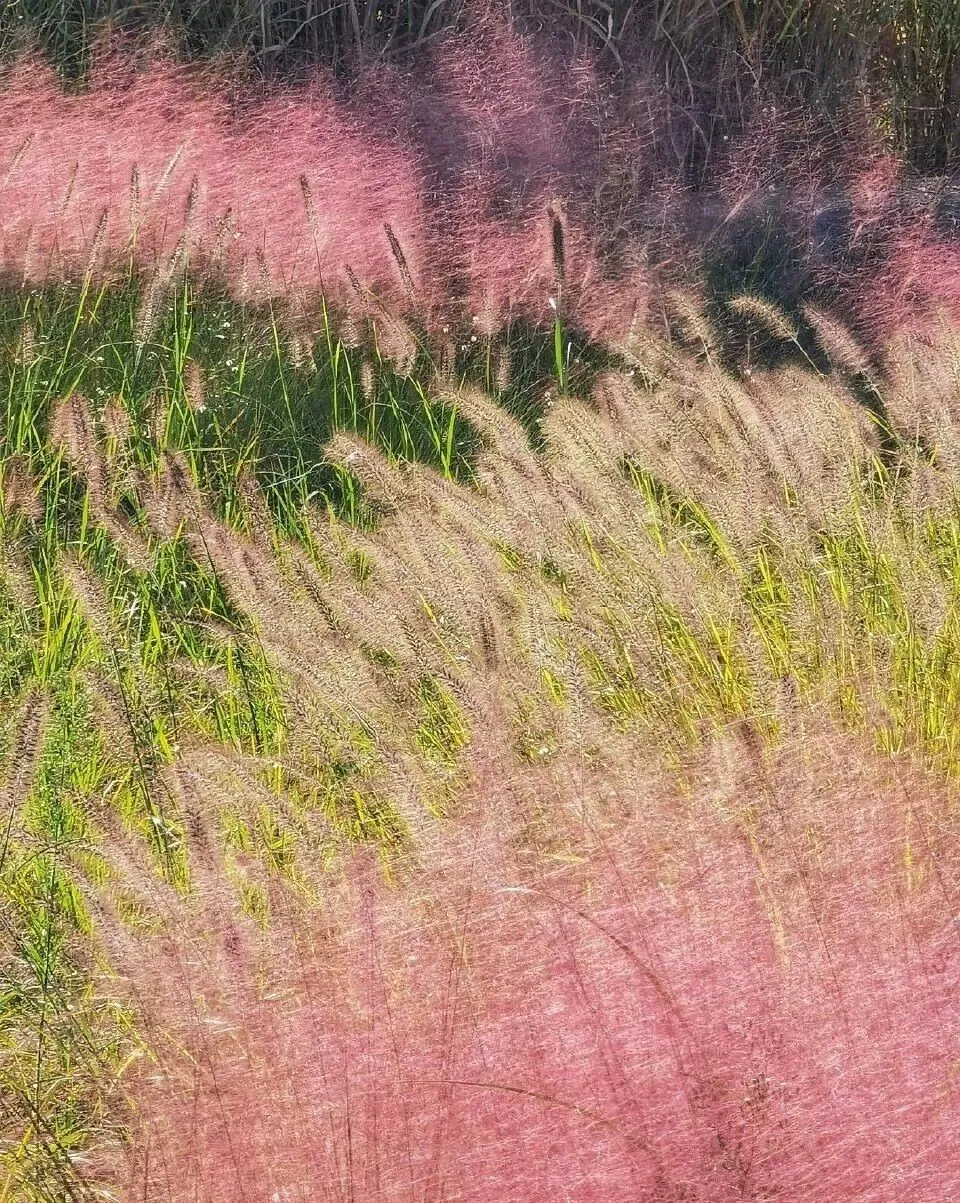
715,61
497,755
265,606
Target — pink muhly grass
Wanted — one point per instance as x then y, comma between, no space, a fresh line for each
515,111
747,993
165,160
512,272
296,193
909,277
873,193
916,285
429,190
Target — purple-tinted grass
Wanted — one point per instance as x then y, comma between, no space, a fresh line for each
440,190
917,285
746,993
297,194
174,175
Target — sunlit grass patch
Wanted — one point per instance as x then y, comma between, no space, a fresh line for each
266,621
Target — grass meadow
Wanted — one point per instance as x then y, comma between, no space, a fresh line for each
479,632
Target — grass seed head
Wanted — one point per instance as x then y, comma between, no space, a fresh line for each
765,315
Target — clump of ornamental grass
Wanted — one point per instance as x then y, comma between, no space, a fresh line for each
589,980
448,210
547,747
359,219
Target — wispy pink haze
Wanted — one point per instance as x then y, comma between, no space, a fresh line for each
436,188
293,193
917,285
748,992
164,160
